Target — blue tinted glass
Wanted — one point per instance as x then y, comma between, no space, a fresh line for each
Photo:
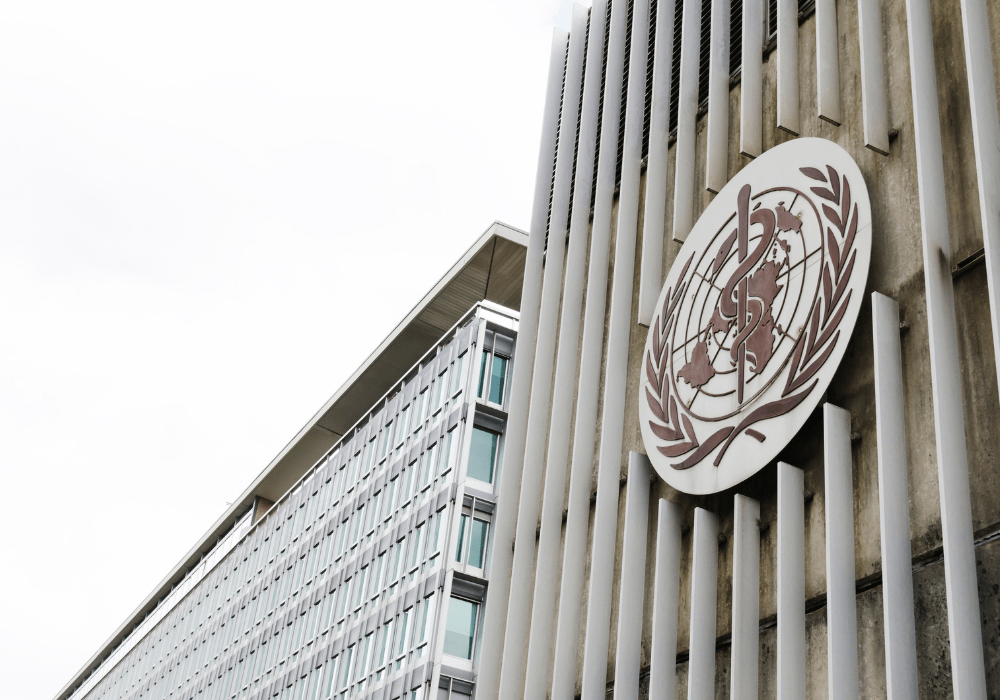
497,378
482,455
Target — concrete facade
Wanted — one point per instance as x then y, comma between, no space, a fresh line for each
897,270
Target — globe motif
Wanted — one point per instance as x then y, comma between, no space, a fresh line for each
719,366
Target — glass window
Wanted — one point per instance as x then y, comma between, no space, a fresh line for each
347,666
426,615
415,548
477,543
383,645
460,633
404,621
498,378
483,455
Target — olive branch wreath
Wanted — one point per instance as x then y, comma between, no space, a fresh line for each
812,348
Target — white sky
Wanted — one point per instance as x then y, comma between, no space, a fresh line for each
210,214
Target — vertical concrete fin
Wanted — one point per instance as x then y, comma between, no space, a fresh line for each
894,504
827,62
587,397
687,108
666,593
654,214
791,586
517,424
788,66
633,578
595,654
841,604
986,137
519,605
964,631
746,599
752,79
704,589
873,91
717,157
557,455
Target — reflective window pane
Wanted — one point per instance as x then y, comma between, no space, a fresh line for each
460,632
483,455
497,379
477,544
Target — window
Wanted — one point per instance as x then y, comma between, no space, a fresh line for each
423,631
404,621
461,537
382,647
378,579
460,632
477,542
483,455
415,548
498,379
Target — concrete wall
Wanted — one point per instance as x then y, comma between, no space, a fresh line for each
897,271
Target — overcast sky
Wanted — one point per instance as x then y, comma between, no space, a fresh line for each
195,202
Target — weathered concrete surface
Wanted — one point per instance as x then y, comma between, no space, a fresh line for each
896,270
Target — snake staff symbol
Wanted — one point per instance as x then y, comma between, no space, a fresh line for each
779,274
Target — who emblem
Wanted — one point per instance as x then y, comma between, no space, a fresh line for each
755,316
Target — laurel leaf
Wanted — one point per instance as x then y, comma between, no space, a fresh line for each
676,450
845,205
824,193
827,292
673,412
796,356
665,433
705,449
651,373
689,429
654,405
813,173
852,230
815,366
834,181
834,323
656,337
831,243
834,217
843,282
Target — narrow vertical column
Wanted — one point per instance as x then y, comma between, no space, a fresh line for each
517,423
746,599
751,80
841,604
587,396
633,578
827,62
704,589
519,606
964,632
602,560
717,163
788,66
546,572
791,589
654,215
894,504
873,92
687,108
986,137
666,592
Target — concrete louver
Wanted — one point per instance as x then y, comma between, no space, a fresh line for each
510,474
546,574
519,606
965,635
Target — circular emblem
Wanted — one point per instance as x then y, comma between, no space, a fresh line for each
755,315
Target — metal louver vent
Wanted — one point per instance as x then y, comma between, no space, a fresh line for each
675,64
600,111
624,100
704,51
552,182
579,120
651,51
735,36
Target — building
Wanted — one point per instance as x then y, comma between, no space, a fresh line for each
357,563
856,553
